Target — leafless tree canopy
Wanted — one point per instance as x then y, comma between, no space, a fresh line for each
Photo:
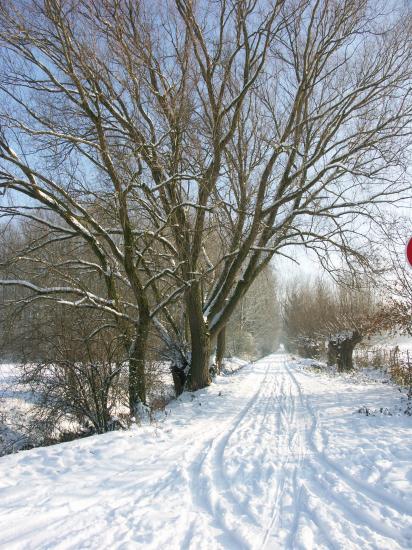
174,148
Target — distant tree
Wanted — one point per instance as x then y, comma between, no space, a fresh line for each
356,309
316,313
309,313
254,327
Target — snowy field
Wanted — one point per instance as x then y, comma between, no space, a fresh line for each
273,456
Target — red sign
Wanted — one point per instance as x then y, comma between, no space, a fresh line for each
409,251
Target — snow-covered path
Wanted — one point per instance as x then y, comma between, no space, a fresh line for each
270,457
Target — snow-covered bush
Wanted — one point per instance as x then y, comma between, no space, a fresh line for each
309,347
84,395
80,383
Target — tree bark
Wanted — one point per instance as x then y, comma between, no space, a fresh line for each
137,360
345,356
179,379
342,347
331,354
179,369
199,375
220,349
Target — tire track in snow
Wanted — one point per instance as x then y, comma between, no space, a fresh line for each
291,504
224,512
288,462
264,422
247,472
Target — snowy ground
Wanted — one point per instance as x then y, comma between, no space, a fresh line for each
16,403
270,457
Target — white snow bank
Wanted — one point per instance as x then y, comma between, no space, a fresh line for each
16,403
272,457
233,364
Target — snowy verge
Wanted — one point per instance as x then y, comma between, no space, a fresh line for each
233,364
16,403
400,404
363,375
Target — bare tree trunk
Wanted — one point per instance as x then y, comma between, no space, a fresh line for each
179,369
137,359
180,365
179,379
345,356
331,353
220,349
342,348
199,375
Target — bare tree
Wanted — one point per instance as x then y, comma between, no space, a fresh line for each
72,164
317,312
80,377
254,328
309,313
355,311
109,117
267,123
320,142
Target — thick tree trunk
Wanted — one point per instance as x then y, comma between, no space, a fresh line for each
331,354
179,369
179,379
341,349
220,349
137,359
199,375
345,355
180,365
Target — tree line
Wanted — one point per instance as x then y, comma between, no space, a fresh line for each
324,320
